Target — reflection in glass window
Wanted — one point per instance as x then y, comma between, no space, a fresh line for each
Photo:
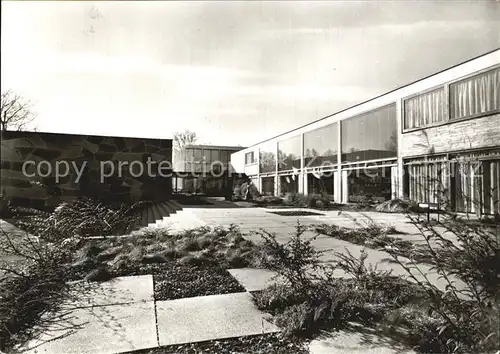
197,155
289,185
372,135
268,185
320,146
268,158
369,184
214,155
224,157
206,155
475,95
289,153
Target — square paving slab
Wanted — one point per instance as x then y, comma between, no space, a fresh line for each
254,279
122,290
356,340
209,317
99,330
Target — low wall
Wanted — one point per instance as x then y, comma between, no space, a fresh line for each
42,169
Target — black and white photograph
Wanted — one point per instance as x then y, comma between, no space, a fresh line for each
239,177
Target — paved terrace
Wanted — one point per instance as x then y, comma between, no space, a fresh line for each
251,220
122,315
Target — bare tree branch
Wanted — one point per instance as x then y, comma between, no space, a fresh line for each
181,139
17,112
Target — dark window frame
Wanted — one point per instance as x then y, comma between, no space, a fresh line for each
250,154
448,119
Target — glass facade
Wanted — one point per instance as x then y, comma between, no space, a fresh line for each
366,184
475,95
289,184
225,157
321,146
289,153
425,109
370,136
268,158
200,159
318,183
427,181
268,185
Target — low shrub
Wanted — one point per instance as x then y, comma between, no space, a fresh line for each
84,217
30,288
5,209
293,260
464,318
396,206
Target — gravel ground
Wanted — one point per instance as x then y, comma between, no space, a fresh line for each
180,281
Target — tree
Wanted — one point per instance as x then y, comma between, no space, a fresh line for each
392,143
17,112
181,139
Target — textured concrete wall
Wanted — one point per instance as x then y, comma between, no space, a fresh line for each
85,153
469,134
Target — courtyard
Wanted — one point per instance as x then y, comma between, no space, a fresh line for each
210,295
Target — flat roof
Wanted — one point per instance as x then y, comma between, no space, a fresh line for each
222,147
376,97
24,132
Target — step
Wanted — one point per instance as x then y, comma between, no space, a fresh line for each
157,212
165,209
144,218
151,217
175,204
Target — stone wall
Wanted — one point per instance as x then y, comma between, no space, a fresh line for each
93,168
463,135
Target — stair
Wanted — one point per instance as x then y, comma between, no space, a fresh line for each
158,212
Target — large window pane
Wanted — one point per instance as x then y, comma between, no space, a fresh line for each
370,136
249,158
268,158
289,153
475,95
320,146
268,185
197,155
206,155
320,183
374,184
289,185
425,109
224,157
214,155
427,182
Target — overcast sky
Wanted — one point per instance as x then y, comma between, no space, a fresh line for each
234,72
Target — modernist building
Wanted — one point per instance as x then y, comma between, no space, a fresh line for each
436,140
201,168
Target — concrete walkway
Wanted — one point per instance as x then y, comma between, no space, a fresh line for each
121,315
250,220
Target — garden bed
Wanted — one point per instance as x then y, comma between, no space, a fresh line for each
271,343
378,237
180,281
